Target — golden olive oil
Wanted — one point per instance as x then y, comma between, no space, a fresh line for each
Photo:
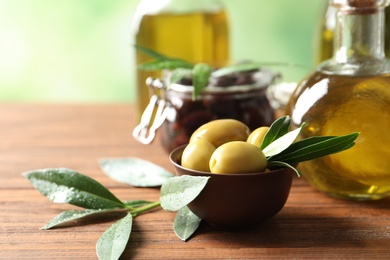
195,37
338,105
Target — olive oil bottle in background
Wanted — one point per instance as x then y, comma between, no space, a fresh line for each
326,37
194,30
350,93
327,30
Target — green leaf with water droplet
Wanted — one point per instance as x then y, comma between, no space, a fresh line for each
63,185
71,215
186,223
135,171
178,191
114,240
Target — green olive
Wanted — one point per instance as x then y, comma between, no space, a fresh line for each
221,131
238,157
196,155
257,136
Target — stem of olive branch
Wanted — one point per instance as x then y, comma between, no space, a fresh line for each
135,212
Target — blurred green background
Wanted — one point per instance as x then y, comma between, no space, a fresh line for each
80,50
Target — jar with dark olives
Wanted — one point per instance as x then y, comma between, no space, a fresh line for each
241,96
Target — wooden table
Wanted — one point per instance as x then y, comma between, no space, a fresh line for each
34,136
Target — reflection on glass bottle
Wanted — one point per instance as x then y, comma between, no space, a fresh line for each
196,31
328,25
350,93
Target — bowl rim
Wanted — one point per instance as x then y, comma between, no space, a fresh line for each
202,173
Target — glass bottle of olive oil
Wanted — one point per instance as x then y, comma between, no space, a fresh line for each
350,93
327,30
194,30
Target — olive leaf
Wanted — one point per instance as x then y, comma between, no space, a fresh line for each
278,128
282,143
161,61
186,223
178,191
61,185
160,64
132,204
282,150
150,52
178,74
315,147
244,66
279,164
70,215
135,171
201,74
114,240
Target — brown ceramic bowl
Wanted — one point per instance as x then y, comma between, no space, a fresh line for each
234,201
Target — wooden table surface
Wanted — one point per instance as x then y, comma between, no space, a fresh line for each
34,136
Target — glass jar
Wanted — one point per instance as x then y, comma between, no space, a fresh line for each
179,115
196,31
350,93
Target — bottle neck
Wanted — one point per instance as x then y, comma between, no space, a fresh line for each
358,42
359,35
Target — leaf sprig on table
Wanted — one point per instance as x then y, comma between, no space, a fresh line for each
61,185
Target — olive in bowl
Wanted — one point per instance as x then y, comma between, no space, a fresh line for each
249,174
235,201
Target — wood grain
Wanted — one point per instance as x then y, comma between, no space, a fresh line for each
32,136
